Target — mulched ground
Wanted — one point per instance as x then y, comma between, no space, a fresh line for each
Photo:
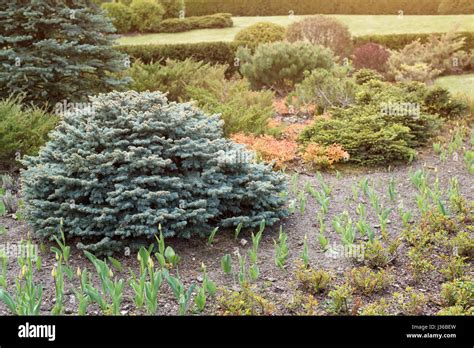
274,284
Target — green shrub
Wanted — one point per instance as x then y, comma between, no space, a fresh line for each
262,32
60,55
176,25
368,137
207,52
242,109
173,8
309,7
365,75
22,131
136,161
326,88
439,101
174,77
279,65
424,61
373,130
323,31
147,15
120,15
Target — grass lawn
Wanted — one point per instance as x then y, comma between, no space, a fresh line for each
458,84
358,25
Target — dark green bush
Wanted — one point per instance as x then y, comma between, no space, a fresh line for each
137,161
262,32
147,15
176,25
365,75
280,65
439,101
207,52
368,137
309,7
23,129
371,131
48,55
120,15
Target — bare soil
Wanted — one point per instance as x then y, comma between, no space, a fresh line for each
274,284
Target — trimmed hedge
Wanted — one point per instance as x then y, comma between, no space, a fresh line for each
398,41
224,52
305,7
177,25
208,52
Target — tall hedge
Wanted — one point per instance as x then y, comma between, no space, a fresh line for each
134,161
304,7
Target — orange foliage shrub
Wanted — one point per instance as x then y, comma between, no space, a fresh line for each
269,149
324,156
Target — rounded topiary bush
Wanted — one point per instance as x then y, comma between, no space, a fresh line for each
132,161
120,15
262,32
147,15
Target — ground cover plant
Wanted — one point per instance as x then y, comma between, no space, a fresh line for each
296,169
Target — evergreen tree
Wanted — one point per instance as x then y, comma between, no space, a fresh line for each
134,161
54,50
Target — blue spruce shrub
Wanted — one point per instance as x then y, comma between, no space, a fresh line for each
132,161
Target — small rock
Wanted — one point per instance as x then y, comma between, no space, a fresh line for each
124,312
199,278
279,288
243,242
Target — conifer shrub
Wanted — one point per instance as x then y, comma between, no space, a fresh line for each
379,127
120,15
174,77
241,109
326,88
423,62
279,65
371,56
136,161
439,101
365,75
52,51
147,15
323,31
262,32
23,130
